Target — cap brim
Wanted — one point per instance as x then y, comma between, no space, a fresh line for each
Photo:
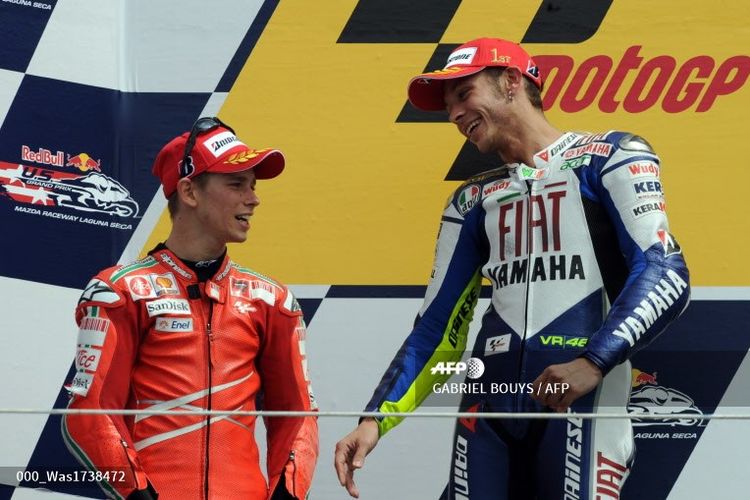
266,164
426,90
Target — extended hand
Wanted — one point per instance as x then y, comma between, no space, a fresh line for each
559,386
351,452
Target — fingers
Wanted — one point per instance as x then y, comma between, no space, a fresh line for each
552,388
341,461
345,466
351,488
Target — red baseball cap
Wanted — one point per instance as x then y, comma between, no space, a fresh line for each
218,151
426,90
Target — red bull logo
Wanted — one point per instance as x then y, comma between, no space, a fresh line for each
662,80
41,155
84,162
642,378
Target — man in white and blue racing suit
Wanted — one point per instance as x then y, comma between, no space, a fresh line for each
573,236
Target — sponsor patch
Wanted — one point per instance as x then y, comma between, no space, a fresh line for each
647,189
174,325
239,288
165,284
87,358
497,345
587,139
580,161
243,307
263,291
531,174
81,383
594,148
463,56
651,207
167,306
171,263
643,169
494,187
213,290
140,287
562,145
221,143
467,198
670,245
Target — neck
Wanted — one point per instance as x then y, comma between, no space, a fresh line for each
530,134
189,244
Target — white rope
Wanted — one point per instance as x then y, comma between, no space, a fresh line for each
352,414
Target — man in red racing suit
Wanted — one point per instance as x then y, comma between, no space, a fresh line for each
187,329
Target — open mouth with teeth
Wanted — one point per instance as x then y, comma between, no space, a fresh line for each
472,126
243,218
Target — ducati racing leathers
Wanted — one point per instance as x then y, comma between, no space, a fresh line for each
581,263
152,336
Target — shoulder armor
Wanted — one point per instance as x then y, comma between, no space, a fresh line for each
487,174
632,142
100,293
290,305
469,194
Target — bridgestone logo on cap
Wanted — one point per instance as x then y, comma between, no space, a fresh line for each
463,56
221,143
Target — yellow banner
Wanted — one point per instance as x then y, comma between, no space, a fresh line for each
360,200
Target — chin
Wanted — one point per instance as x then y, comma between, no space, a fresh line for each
237,238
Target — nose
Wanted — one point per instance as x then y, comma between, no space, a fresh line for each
455,113
252,198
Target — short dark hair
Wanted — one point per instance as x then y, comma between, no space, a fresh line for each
173,202
535,96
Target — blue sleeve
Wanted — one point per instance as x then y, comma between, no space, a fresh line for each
657,288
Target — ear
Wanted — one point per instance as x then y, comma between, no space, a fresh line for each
513,79
186,192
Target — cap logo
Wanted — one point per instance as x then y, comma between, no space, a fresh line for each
221,143
445,71
244,156
499,59
461,56
532,70
186,167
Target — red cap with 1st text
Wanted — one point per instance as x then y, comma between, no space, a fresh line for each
426,90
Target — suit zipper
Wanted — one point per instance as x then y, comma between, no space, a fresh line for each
529,208
292,459
127,457
209,340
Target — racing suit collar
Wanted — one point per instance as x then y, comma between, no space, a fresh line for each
183,272
543,158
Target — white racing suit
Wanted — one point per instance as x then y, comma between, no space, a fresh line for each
581,263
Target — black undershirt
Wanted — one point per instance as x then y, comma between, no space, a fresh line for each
203,269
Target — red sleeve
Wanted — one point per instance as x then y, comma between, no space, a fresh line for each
292,441
108,340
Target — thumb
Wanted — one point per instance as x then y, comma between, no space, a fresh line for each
359,458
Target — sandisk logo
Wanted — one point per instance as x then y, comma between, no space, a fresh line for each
661,80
